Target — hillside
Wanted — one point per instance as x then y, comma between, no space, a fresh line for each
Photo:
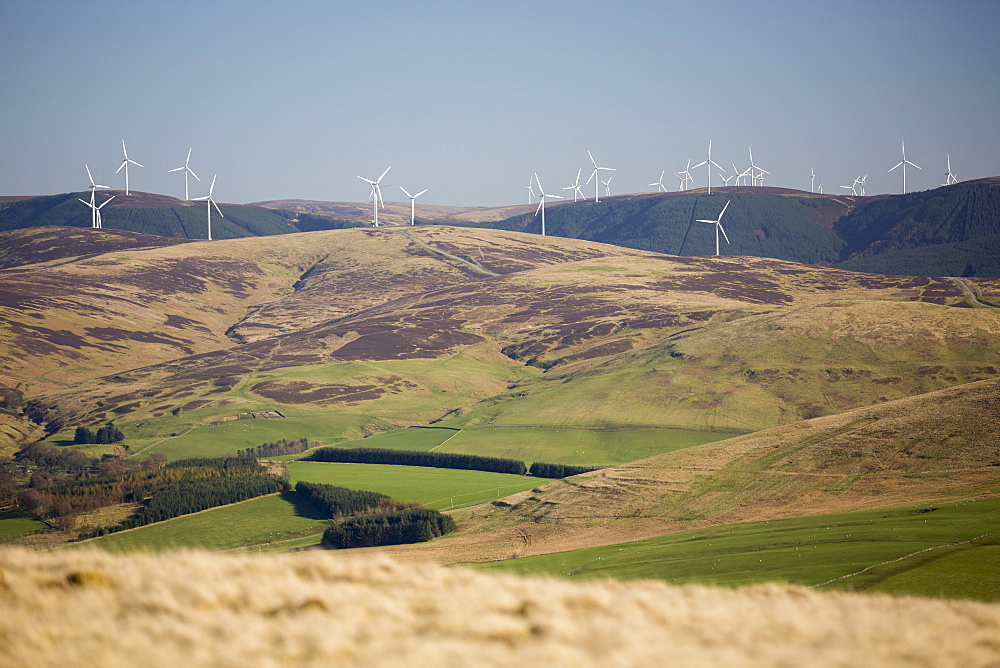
310,609
152,214
399,212
475,329
941,445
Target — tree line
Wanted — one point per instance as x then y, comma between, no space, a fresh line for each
395,528
335,502
278,448
108,433
444,460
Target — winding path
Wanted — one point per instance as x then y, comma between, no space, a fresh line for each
971,294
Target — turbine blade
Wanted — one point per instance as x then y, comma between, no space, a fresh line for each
124,162
175,170
897,165
592,158
89,175
540,203
420,193
212,187
136,163
703,162
216,206
383,174
188,159
913,165
724,210
723,230
191,172
406,193
366,180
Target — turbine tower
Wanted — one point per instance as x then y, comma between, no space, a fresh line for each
812,180
575,187
718,227
93,190
531,190
187,170
708,162
541,201
95,212
758,178
594,176
607,186
949,178
660,188
686,177
376,193
124,165
412,197
904,162
209,203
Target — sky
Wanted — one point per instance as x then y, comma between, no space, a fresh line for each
468,99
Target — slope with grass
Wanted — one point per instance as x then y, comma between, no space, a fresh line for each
939,446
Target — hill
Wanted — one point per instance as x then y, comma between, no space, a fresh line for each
323,609
152,214
474,329
949,231
944,445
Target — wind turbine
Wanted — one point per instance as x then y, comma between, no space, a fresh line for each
93,189
412,197
376,193
531,190
758,178
575,187
812,180
209,203
124,164
718,227
660,188
595,177
949,178
541,201
708,162
187,170
864,178
686,177
95,213
727,179
821,186
904,162
607,186
854,186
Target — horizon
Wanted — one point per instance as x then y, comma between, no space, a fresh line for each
469,102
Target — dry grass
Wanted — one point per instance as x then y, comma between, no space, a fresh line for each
87,609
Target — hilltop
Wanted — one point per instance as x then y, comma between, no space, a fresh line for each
948,231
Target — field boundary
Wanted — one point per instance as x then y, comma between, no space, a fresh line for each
905,556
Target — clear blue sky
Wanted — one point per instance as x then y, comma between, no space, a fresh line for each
292,100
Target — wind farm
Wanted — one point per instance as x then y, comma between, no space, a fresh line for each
292,422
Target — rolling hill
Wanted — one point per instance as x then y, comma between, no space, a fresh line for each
471,329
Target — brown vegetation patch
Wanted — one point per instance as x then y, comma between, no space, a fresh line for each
301,392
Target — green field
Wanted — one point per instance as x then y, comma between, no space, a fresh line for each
432,488
557,445
14,523
810,551
263,521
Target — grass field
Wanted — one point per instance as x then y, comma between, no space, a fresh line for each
558,445
810,551
433,488
14,523
262,521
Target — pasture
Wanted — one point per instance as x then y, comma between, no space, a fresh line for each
810,551
14,523
430,487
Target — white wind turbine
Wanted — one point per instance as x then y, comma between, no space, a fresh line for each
727,179
854,186
949,178
821,186
718,227
187,170
904,162
124,165
660,188
812,180
95,212
531,190
575,187
758,178
209,203
864,179
708,162
376,195
686,177
541,201
607,186
594,176
93,190
412,197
